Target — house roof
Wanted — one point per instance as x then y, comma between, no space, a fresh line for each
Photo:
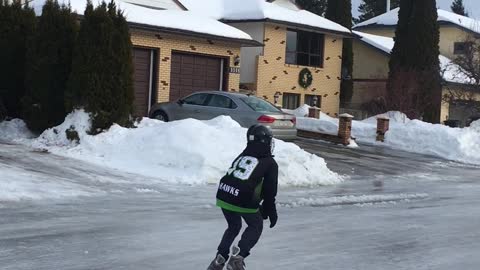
260,10
451,72
390,19
171,21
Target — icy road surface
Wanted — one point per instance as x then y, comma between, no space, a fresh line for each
394,211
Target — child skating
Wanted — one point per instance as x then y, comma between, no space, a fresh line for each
252,178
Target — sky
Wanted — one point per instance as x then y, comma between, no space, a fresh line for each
472,6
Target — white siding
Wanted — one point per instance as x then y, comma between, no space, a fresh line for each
159,4
287,4
248,55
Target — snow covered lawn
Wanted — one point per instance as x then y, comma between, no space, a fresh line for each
186,152
457,144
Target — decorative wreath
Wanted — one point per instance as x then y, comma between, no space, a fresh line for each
305,78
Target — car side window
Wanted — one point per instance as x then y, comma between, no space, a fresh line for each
196,99
220,101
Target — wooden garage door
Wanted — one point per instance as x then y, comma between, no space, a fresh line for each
142,80
192,73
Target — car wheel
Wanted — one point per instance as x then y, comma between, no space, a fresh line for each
160,115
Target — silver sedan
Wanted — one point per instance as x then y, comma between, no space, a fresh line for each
247,110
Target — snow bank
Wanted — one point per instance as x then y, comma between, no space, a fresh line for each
301,111
457,144
14,130
188,151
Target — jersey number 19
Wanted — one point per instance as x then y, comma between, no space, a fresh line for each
243,167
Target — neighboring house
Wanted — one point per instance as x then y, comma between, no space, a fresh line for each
294,40
454,29
176,52
371,58
372,54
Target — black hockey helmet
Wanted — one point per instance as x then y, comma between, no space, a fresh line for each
259,133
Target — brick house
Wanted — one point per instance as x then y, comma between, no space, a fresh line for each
183,46
294,40
176,52
372,54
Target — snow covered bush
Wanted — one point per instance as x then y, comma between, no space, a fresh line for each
14,130
101,80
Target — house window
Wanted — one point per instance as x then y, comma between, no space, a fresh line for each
304,48
310,100
461,47
291,101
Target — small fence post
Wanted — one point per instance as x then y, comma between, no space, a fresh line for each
345,128
383,125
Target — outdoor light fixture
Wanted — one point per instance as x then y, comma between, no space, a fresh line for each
275,97
236,60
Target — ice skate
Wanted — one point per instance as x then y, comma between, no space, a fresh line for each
217,264
236,261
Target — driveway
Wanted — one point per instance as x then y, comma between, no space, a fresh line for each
395,210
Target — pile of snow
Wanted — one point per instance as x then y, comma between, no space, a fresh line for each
173,19
457,144
14,130
301,111
188,151
394,116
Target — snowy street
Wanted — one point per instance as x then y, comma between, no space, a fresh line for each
395,210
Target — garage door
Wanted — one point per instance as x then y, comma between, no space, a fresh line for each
192,73
142,61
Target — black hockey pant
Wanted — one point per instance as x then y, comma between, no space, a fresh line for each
249,237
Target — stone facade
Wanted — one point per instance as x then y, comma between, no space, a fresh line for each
273,75
166,43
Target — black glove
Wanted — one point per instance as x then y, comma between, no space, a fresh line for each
270,213
273,219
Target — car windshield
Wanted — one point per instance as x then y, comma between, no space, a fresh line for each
259,105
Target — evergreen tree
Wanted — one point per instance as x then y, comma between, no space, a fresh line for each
373,8
102,72
315,6
340,11
49,61
414,79
458,7
17,23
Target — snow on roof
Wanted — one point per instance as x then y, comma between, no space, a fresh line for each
235,10
380,42
451,72
391,19
173,19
